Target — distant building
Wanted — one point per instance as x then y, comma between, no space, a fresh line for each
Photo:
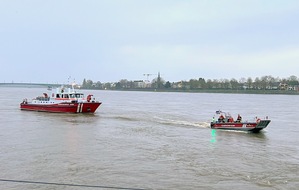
283,86
177,85
139,83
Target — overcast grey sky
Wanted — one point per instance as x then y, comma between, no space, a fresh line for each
109,40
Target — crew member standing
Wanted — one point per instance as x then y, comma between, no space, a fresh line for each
239,118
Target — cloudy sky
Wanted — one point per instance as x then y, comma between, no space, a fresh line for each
109,40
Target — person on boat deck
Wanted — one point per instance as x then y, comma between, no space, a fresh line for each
221,118
231,119
213,120
239,118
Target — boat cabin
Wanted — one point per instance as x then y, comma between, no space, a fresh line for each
63,95
67,93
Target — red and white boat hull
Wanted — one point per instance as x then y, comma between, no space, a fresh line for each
243,126
84,107
62,100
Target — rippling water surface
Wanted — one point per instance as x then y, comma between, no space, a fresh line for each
149,140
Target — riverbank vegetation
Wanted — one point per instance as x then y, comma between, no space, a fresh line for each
258,85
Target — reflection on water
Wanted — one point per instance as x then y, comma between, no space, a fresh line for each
213,136
72,140
231,134
63,118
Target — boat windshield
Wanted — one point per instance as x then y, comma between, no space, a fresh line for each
79,95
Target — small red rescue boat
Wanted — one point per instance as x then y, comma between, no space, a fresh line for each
225,121
62,100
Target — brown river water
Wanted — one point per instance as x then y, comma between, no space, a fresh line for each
149,140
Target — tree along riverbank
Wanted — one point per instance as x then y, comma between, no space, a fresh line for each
231,91
224,91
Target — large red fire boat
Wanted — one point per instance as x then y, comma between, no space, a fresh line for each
225,121
62,100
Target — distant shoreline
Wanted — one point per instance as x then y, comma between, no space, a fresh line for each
37,85
216,91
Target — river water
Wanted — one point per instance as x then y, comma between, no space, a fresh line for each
149,140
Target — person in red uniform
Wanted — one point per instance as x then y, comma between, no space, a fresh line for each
221,118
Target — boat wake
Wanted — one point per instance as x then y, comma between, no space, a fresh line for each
182,123
125,118
161,121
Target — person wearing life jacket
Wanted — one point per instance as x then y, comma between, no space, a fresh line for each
221,118
88,98
213,120
239,118
257,119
